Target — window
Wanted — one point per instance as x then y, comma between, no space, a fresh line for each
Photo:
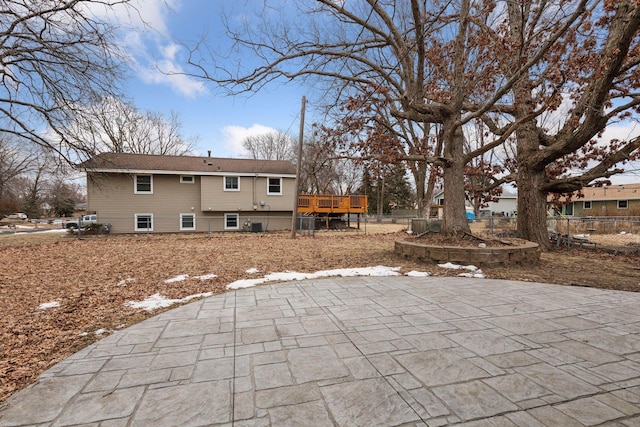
143,222
231,221
187,179
231,183
187,222
274,186
143,184
623,204
567,209
587,205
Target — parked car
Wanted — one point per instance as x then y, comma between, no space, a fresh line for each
82,221
18,216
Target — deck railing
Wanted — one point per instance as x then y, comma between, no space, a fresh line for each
327,203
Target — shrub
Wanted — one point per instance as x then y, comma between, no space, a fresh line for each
92,229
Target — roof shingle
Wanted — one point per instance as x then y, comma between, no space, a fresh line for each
611,192
126,162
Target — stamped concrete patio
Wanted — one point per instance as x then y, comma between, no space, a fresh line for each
364,351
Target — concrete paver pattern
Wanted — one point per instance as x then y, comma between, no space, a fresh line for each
361,351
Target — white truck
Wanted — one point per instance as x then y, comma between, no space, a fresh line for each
81,221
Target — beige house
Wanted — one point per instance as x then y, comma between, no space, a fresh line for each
150,193
610,200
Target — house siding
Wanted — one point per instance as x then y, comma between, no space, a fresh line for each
111,196
253,190
605,208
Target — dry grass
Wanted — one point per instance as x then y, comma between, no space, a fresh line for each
92,279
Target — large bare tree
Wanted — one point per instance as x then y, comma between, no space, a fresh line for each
273,145
57,56
116,126
586,82
14,161
427,59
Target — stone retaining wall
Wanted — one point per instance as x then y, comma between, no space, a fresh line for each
526,253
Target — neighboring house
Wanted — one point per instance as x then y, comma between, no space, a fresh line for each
507,204
150,193
610,200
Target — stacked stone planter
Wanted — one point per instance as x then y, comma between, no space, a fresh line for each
522,253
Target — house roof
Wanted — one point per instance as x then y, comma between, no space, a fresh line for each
611,192
161,164
507,193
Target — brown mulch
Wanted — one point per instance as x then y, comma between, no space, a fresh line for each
93,278
463,239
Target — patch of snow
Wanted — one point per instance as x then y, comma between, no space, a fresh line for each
84,334
160,301
252,271
101,331
376,271
206,277
246,283
409,231
125,281
48,305
418,274
622,233
453,266
178,278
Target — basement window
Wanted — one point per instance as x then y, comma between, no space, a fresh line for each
187,222
231,221
623,204
143,222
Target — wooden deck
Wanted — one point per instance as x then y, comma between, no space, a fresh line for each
330,204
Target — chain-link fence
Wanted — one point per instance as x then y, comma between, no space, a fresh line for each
565,230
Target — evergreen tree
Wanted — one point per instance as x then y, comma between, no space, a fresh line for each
398,192
392,182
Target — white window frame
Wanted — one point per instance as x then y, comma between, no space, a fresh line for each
568,207
626,202
587,205
135,221
224,183
183,215
279,193
135,184
190,177
226,219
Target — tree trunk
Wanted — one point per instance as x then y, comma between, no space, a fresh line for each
532,198
532,207
419,172
380,206
455,213
431,184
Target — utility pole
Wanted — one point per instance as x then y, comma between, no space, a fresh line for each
296,192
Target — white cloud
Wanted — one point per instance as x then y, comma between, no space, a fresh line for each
147,41
234,135
166,71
